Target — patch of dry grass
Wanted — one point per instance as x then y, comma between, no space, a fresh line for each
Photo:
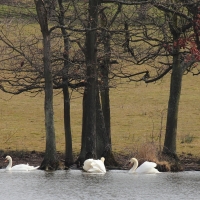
136,112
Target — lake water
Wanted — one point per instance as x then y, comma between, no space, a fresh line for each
115,184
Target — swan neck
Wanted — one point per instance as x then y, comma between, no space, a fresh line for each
9,164
135,165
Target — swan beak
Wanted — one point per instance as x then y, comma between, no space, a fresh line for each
5,160
129,164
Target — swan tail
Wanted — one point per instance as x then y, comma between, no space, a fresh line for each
33,168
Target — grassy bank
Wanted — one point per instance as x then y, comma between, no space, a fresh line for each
138,115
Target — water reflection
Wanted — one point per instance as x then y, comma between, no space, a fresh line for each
74,184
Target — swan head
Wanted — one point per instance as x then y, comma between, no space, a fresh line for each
133,161
8,158
102,159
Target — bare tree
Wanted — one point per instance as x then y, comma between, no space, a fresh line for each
161,38
160,41
107,34
50,159
91,75
22,64
180,64
22,67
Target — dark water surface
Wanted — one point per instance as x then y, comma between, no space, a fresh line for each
74,184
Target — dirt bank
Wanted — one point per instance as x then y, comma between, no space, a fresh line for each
189,162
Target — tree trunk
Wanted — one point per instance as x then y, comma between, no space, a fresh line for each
91,87
175,91
67,123
102,139
82,154
88,146
105,99
173,104
50,159
68,137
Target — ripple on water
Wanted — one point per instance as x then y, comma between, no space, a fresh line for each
115,184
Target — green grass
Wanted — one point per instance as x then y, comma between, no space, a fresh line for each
135,118
17,11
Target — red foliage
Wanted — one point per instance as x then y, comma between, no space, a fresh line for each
191,42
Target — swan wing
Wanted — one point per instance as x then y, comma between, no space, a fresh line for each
94,166
87,165
19,167
95,170
147,167
23,167
99,166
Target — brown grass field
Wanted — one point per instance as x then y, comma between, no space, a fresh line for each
138,116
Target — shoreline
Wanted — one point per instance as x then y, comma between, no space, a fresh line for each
188,162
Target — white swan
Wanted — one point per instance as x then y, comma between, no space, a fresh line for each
145,168
94,166
20,167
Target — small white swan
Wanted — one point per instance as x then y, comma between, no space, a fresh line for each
94,166
20,167
145,168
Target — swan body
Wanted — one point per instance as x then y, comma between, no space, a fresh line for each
20,167
94,166
145,168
